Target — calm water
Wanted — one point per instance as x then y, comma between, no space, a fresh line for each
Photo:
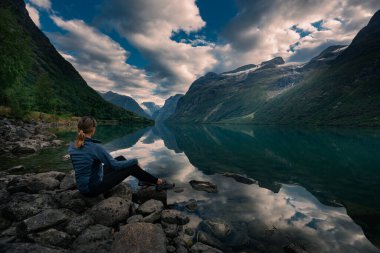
317,188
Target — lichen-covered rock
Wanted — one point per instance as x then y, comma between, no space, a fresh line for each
76,225
68,182
72,200
203,248
150,206
139,238
145,194
122,190
28,248
24,205
111,211
96,238
52,237
174,217
45,219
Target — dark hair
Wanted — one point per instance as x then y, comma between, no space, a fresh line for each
86,125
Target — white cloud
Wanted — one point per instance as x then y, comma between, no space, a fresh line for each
102,61
262,29
43,4
34,15
149,25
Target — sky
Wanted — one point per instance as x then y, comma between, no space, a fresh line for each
153,49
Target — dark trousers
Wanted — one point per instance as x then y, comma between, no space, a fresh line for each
112,177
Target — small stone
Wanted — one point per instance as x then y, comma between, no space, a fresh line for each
204,186
150,206
239,178
174,217
170,249
216,227
178,189
191,205
153,217
135,218
203,248
171,230
189,231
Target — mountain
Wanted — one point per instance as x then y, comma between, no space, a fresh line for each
151,107
125,102
340,86
168,109
40,78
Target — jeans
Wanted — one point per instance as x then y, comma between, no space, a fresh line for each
112,177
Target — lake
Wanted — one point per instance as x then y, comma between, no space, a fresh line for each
314,188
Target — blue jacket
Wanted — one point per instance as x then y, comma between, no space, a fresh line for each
88,163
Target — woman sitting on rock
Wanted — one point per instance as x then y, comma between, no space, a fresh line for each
96,171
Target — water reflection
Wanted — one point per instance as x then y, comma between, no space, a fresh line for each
305,177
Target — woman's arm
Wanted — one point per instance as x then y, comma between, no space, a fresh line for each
108,160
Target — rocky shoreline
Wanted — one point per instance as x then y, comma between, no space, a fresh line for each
18,137
45,213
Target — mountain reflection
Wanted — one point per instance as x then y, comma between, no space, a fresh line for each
307,180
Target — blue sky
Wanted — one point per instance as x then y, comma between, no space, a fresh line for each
152,49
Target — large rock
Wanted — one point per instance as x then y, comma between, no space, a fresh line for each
73,200
96,238
68,182
25,148
23,205
34,183
122,190
52,237
216,227
45,219
139,238
145,194
78,224
209,240
150,206
28,248
110,211
174,217
203,248
204,186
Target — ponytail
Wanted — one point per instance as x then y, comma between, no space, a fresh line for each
86,125
80,139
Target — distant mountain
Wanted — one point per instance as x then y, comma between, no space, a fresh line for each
151,107
168,109
340,86
125,102
59,87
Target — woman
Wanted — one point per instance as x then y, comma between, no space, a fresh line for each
96,171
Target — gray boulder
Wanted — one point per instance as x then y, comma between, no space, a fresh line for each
150,206
28,248
45,219
34,183
23,205
209,240
139,238
174,217
135,218
68,182
71,199
111,211
96,238
78,224
122,190
145,194
153,217
52,237
203,248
